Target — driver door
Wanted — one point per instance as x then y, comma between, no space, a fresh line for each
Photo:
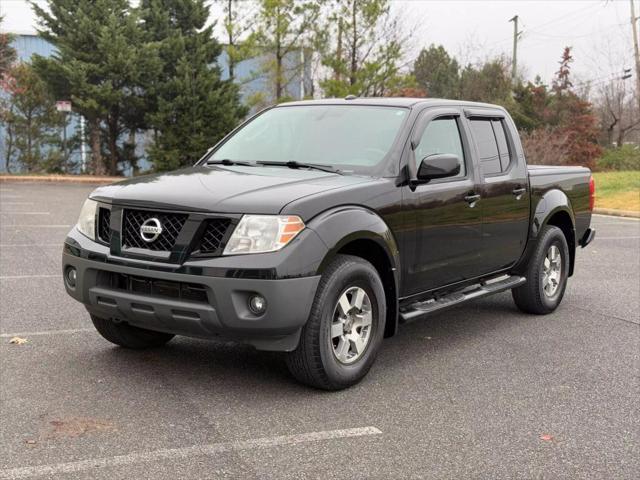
444,244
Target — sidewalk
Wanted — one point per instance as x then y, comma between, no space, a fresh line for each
617,213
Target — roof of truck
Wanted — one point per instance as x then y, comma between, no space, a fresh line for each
391,102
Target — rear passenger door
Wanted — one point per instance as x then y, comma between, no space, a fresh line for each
504,188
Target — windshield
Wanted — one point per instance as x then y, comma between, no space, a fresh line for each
343,136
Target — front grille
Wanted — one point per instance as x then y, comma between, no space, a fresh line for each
104,228
172,224
152,286
214,234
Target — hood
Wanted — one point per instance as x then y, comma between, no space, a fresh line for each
224,189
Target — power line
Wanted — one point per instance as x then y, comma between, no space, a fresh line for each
576,14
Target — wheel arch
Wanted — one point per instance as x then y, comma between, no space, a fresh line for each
363,233
554,208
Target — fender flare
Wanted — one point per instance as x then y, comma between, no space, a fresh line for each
339,226
549,204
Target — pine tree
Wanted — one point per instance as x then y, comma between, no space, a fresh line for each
32,122
284,29
190,107
365,58
239,22
99,64
7,52
437,72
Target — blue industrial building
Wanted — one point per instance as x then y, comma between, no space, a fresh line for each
248,72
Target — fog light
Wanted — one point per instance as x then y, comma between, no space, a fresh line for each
72,276
257,304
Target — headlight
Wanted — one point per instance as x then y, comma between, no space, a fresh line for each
263,233
87,221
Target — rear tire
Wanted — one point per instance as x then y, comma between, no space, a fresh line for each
129,336
546,274
337,349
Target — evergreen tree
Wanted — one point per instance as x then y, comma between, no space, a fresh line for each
365,56
99,64
437,72
32,122
284,29
190,107
7,52
239,22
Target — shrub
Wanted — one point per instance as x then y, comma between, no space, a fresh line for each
545,146
626,157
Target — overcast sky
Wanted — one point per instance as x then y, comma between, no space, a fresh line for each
598,30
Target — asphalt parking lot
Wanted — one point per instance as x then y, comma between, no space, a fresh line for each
481,391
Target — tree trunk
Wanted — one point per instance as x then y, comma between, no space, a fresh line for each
354,45
621,134
230,47
30,161
278,58
9,150
336,71
113,145
135,168
96,150
610,129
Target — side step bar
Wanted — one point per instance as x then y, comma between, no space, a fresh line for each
416,310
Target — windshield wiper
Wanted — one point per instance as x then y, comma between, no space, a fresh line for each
226,161
294,164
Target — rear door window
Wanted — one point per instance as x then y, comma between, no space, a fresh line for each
487,146
490,137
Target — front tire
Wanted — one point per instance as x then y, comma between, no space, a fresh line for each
129,336
342,336
546,274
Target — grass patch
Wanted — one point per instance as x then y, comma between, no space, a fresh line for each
618,190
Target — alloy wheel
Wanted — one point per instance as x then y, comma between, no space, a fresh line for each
351,325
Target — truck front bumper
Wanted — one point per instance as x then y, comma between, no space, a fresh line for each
187,304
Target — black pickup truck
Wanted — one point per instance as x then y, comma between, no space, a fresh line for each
315,228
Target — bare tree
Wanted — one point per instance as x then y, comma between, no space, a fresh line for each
617,108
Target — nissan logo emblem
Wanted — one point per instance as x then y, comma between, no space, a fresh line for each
150,229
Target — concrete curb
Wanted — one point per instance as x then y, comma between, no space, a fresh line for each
59,178
617,213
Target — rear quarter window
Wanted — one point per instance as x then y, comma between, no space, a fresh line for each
490,137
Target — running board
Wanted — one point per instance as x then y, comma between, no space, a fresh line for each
418,309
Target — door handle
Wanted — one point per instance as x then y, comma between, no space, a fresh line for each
472,199
518,192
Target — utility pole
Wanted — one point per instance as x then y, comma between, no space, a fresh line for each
634,20
514,58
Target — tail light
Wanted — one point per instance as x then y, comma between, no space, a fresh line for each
592,193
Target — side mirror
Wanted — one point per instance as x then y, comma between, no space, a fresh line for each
440,165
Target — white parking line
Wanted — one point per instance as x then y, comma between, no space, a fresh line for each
19,277
17,203
614,238
177,454
24,213
48,332
35,225
3,245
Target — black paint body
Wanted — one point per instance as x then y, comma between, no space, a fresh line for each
428,237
